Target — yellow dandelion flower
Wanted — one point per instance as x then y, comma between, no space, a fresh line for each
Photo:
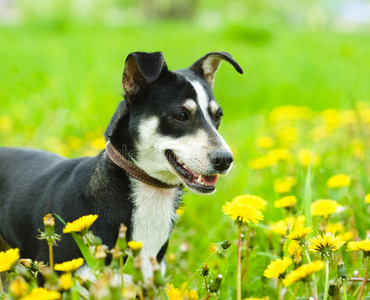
262,162
18,288
264,142
277,268
348,117
173,293
279,154
6,123
190,295
283,226
300,234
287,134
180,211
287,201
331,117
98,144
65,281
367,198
324,207
334,228
338,181
295,250
290,113
303,272
305,155
360,246
242,212
279,227
325,243
42,294
283,185
8,259
346,236
134,245
81,224
69,266
254,201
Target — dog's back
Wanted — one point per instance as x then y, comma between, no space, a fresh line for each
26,177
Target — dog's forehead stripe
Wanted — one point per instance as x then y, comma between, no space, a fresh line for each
202,99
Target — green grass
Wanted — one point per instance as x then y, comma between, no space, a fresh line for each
61,80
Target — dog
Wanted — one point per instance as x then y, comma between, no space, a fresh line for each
163,136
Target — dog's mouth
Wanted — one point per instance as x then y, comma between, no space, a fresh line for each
193,180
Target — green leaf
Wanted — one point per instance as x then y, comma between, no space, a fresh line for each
90,260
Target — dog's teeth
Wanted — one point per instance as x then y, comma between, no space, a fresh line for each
199,179
202,183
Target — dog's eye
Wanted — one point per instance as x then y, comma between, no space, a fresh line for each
183,116
218,116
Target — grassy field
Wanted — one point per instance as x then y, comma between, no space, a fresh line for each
61,82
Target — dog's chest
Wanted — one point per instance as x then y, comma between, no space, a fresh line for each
153,215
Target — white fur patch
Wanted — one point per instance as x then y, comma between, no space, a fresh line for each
203,99
214,106
153,215
190,105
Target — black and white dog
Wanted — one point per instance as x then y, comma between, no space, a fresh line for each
162,136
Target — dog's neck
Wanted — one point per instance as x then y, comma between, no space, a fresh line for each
152,210
153,217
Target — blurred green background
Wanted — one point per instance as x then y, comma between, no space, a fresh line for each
61,64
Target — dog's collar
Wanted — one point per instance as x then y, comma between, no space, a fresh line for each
131,169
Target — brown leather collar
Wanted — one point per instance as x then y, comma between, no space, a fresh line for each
131,169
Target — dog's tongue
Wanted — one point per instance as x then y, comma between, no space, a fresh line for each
209,180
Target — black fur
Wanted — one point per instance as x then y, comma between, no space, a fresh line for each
34,183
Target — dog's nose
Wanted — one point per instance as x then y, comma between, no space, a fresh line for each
221,160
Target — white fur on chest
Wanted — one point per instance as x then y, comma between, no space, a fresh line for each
152,218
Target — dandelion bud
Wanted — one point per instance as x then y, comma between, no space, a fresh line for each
137,276
356,273
49,226
158,278
100,252
215,286
341,269
205,270
135,247
116,255
49,220
121,240
226,244
26,262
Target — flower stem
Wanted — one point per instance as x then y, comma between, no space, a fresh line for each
315,294
197,270
1,285
51,257
121,270
326,289
364,282
344,292
247,250
238,268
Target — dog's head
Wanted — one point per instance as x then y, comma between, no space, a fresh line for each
169,120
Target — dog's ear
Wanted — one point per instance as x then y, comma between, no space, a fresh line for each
207,66
141,69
